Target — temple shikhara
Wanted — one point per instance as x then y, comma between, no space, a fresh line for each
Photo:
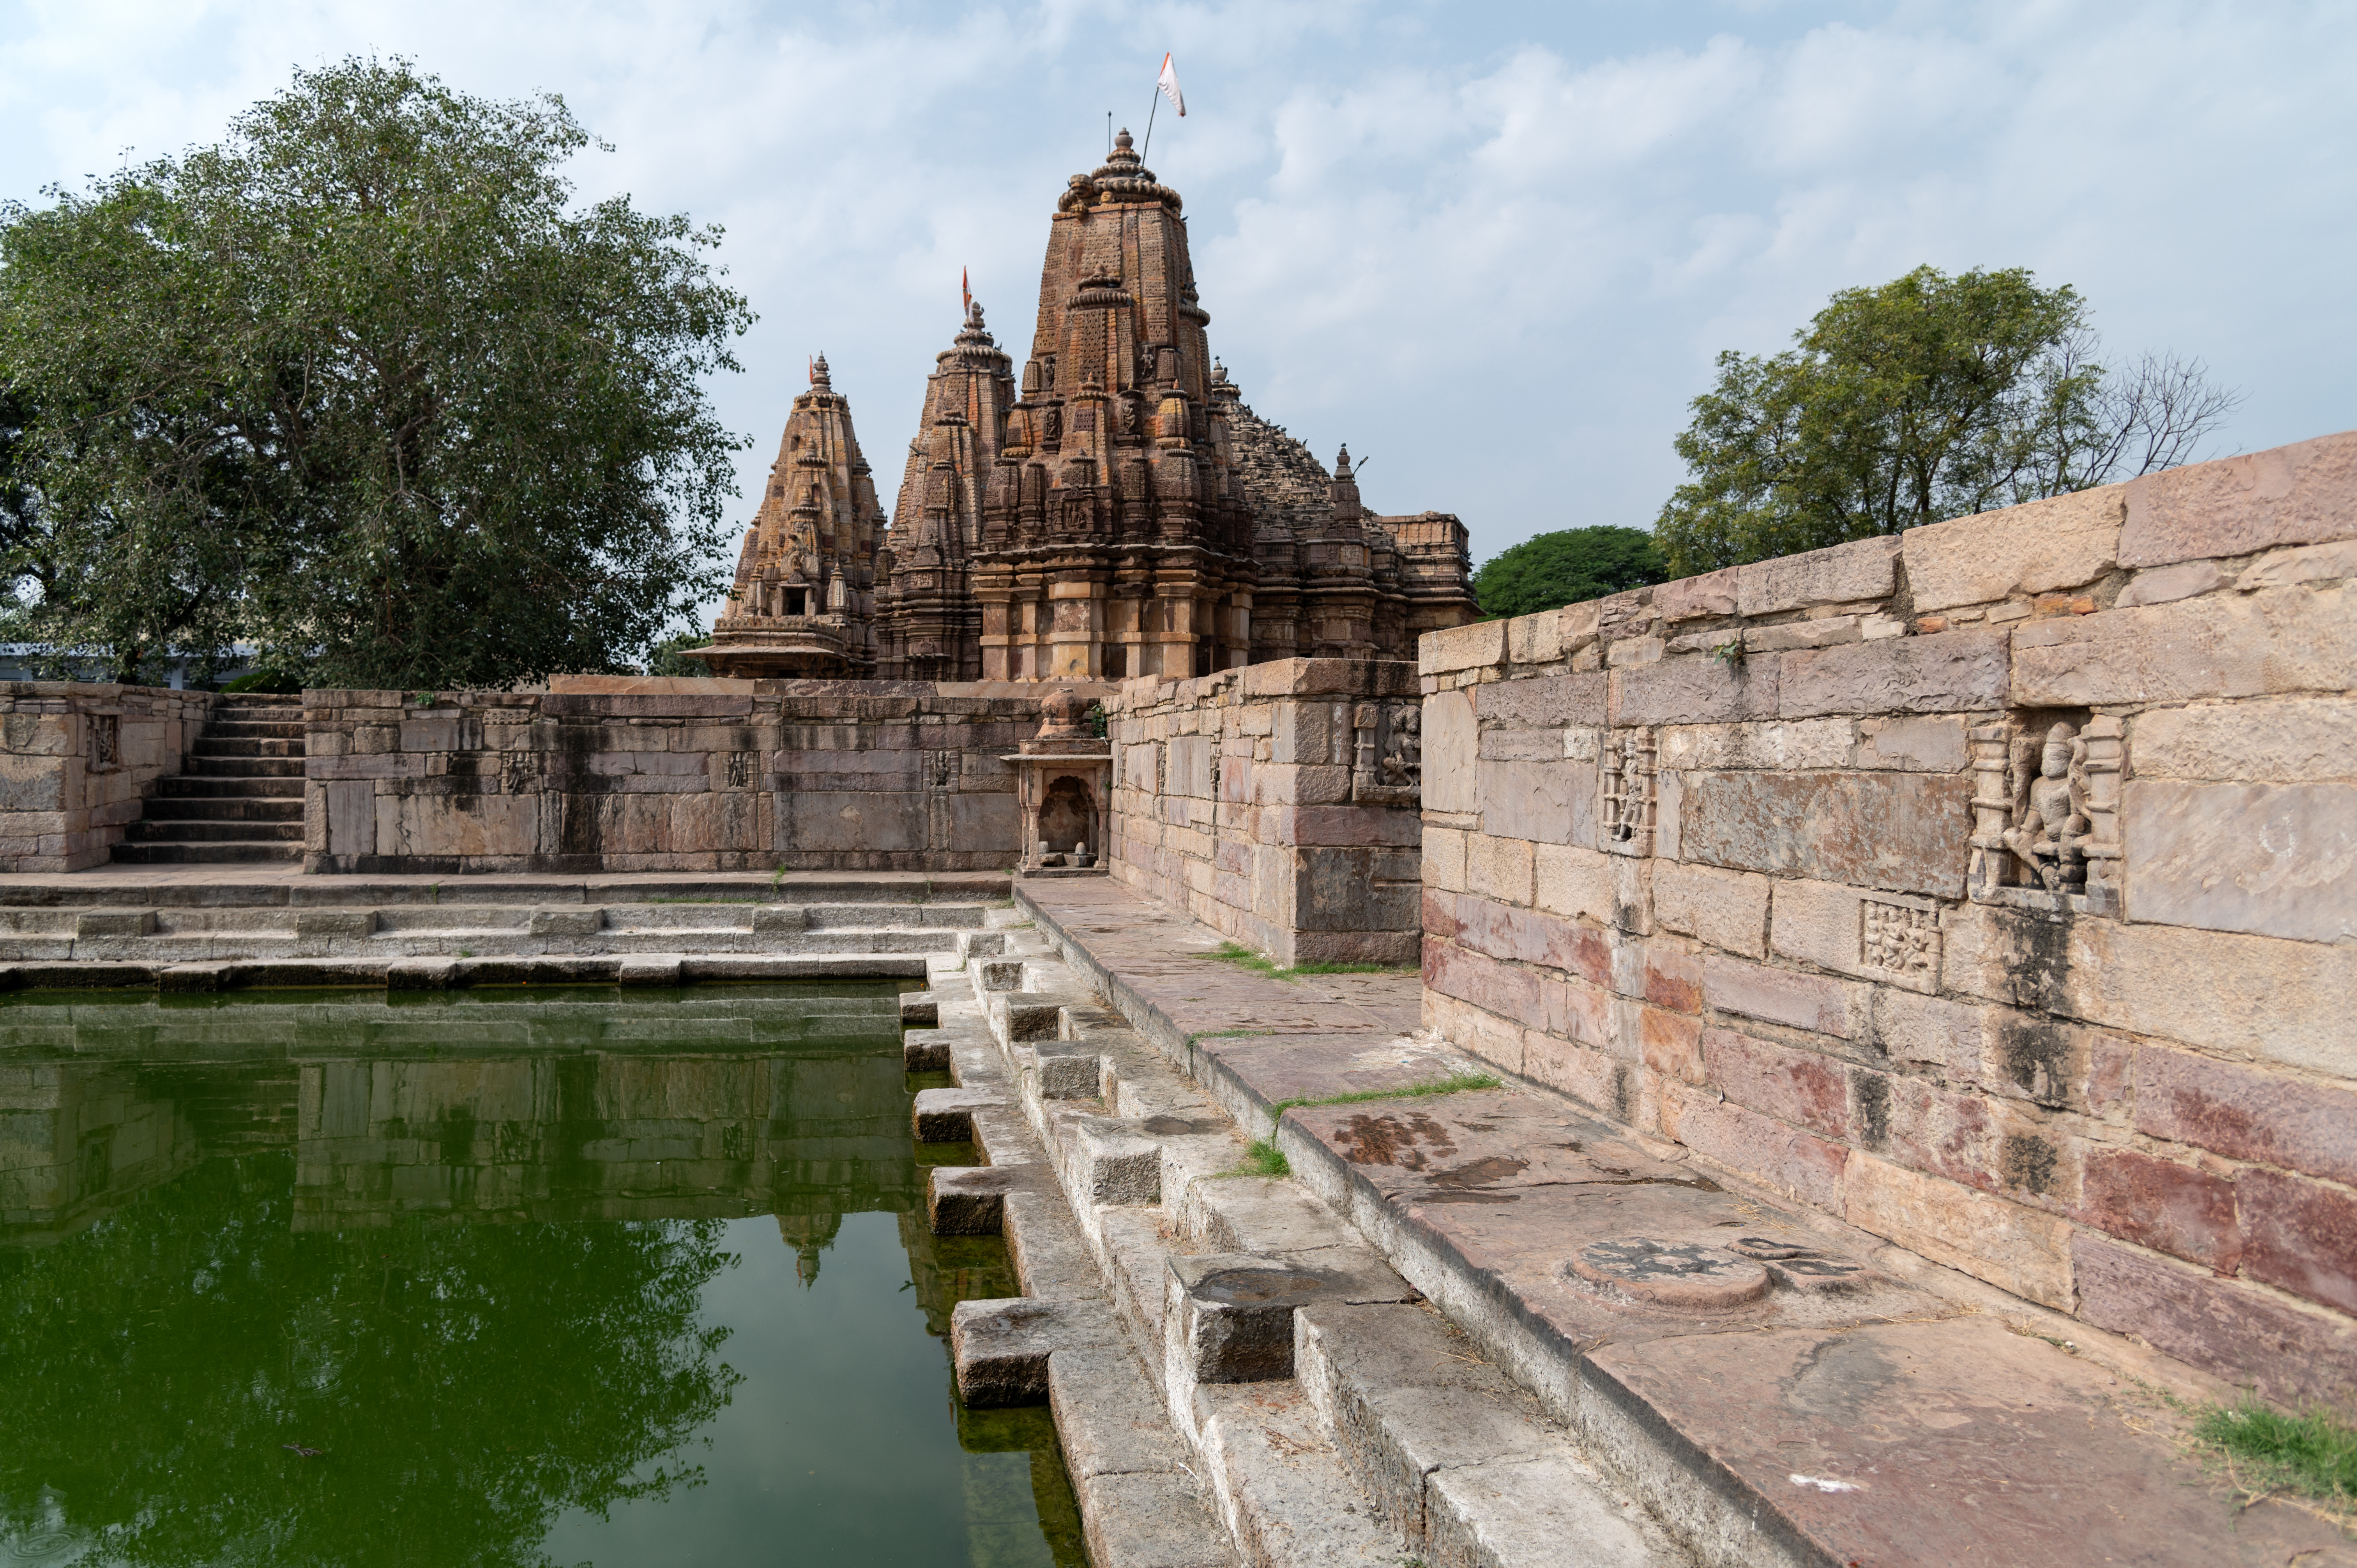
803,602
1113,511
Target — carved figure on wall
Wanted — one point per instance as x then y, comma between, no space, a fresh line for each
2049,820
1404,758
1387,754
2046,812
1627,788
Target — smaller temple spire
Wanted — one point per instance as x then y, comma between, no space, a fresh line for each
818,374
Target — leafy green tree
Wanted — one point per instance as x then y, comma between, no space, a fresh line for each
1928,398
664,658
1565,567
364,384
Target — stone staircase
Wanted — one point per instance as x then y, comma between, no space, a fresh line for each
240,798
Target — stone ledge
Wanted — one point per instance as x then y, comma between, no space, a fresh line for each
1473,1221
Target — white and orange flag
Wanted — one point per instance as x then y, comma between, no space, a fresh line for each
1169,85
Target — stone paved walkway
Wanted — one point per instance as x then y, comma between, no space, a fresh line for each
1871,1407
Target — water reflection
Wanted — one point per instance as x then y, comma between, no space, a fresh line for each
344,1281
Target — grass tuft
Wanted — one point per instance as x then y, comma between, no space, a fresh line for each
1243,957
1458,1084
1263,1159
1226,1035
2312,1454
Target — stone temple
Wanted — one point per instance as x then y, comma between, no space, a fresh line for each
1113,512
803,600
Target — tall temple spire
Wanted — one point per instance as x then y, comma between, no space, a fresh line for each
927,624
805,590
1114,510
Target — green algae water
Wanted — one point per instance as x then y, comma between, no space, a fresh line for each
529,1278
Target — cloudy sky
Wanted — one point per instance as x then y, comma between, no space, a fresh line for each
1494,247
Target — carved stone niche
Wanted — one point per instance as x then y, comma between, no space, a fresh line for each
1387,754
1062,778
1625,796
2046,812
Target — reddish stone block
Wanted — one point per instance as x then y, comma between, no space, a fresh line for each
1527,936
1591,1077
1672,978
1469,976
1925,1127
2110,1065
1799,1087
1671,1044
1440,916
1779,1157
1583,1012
1778,995
2301,1235
2241,1334
2246,1113
2170,1208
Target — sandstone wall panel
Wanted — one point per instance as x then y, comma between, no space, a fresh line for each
1907,832
2273,859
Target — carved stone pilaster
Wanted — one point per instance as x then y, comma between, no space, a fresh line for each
1625,781
2104,759
1992,811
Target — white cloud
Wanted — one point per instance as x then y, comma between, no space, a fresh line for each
1495,250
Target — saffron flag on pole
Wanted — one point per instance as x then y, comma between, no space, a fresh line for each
1169,85
966,290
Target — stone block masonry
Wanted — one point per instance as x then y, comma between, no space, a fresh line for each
1277,804
77,763
1993,888
622,774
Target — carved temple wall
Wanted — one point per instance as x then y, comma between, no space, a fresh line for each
1277,804
649,774
1994,887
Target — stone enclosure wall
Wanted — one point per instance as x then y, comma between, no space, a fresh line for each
649,774
76,761
1277,804
1994,887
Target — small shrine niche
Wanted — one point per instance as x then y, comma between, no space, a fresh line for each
1063,777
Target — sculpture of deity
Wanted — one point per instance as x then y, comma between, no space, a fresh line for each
2051,828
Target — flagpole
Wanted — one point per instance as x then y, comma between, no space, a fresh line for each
1149,126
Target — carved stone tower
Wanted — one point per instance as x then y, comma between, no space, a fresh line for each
928,627
805,594
1113,542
